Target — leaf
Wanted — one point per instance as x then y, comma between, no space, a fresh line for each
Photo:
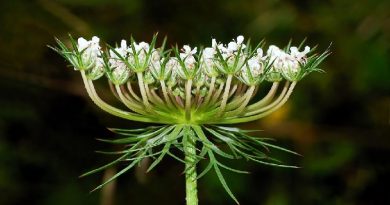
206,170
273,164
175,157
134,130
117,175
107,165
209,144
173,134
272,146
232,169
222,179
234,129
137,137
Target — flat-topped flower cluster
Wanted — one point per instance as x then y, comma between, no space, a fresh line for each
245,63
190,78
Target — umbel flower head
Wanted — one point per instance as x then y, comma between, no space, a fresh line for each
192,91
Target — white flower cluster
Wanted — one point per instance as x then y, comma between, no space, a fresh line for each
219,60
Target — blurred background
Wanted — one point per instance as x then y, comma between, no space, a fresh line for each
339,121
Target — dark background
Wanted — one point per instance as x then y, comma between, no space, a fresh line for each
339,120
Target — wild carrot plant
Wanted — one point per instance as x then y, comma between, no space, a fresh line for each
191,95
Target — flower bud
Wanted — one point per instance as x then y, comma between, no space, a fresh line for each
89,51
208,62
251,72
203,91
187,63
200,80
273,77
120,74
97,71
148,78
178,92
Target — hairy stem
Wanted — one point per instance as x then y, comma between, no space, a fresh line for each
190,166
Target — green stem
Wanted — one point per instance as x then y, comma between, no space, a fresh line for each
190,166
210,92
130,88
266,98
142,90
261,115
110,109
247,98
269,106
128,103
165,93
225,95
188,99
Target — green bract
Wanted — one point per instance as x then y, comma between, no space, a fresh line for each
191,93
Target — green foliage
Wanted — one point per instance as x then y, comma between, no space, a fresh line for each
157,141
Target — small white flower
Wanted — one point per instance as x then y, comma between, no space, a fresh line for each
259,52
235,45
214,43
82,44
97,71
299,55
118,67
240,39
274,52
232,46
208,53
187,51
173,65
140,52
255,67
93,44
90,51
187,56
155,55
142,46
122,50
208,61
120,72
190,62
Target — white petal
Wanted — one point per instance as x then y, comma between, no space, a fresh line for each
187,49
240,39
194,50
307,50
144,46
259,52
123,44
82,43
232,46
213,43
208,53
294,51
95,39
